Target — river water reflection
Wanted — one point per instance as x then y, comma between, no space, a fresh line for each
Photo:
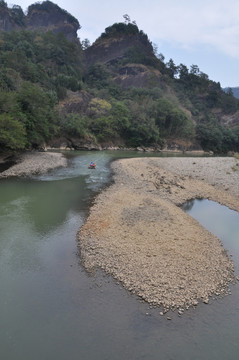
50,308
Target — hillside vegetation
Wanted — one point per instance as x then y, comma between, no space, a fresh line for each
118,91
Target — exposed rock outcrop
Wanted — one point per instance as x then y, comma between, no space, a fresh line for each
231,119
75,102
137,75
7,21
48,16
111,49
45,16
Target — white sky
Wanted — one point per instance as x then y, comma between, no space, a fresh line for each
200,32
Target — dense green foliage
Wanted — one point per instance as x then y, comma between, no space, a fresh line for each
154,117
44,58
219,139
119,29
127,28
18,15
75,125
38,70
12,132
135,55
27,116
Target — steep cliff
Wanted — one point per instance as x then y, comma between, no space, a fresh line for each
45,16
48,16
116,43
128,54
7,20
138,76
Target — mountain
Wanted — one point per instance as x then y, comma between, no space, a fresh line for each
116,92
127,49
183,106
116,42
45,16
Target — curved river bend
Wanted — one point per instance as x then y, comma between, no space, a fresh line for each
50,308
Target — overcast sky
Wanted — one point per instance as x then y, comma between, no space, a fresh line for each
200,32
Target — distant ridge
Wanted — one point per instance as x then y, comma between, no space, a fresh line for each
235,91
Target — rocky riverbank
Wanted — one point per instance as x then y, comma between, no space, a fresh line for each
34,163
137,232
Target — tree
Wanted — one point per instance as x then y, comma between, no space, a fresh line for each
210,137
172,121
12,133
120,117
3,4
161,57
155,49
172,68
126,19
98,107
38,109
75,125
183,72
98,76
103,129
194,70
229,103
18,15
229,91
85,44
204,76
142,129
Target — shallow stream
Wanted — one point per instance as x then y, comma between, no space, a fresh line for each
50,308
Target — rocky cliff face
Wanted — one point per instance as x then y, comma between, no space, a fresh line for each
230,120
110,50
7,22
44,16
128,54
52,17
137,75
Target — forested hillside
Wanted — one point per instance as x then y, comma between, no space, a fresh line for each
36,69
119,91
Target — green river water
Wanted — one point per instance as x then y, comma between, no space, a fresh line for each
51,308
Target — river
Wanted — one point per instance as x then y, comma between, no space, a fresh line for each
51,308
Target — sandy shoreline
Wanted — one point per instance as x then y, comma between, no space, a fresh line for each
137,233
35,163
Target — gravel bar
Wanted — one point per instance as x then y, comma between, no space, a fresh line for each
33,163
137,232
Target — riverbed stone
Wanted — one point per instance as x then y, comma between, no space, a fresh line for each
142,238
